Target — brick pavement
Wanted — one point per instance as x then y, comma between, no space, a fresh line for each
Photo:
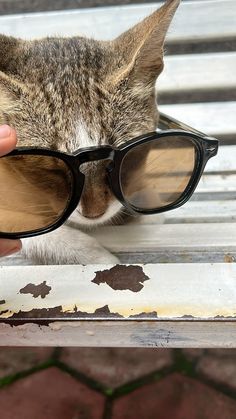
94,383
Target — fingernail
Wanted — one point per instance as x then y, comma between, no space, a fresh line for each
5,131
10,251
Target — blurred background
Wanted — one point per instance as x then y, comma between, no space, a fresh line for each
17,6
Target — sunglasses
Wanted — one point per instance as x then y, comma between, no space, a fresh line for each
153,173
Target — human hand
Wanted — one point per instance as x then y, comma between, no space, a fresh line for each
8,143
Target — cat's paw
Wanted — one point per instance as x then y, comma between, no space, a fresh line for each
93,253
66,246
101,256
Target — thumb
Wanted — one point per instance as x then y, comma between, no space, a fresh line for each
7,247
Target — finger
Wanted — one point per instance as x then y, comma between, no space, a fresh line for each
8,247
8,143
7,139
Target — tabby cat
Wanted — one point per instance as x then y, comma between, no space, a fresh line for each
69,93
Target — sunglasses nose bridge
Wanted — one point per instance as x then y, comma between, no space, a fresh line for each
86,161
95,154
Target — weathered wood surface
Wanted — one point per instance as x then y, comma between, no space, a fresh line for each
184,246
129,292
133,333
175,315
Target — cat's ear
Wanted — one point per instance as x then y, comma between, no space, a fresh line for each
141,47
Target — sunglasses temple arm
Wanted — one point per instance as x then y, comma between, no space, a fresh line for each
167,122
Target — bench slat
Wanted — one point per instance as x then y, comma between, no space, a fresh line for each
146,292
211,20
216,183
167,306
203,72
164,334
195,212
164,243
184,237
225,161
214,118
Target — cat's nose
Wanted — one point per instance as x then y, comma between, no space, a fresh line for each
93,203
96,195
91,214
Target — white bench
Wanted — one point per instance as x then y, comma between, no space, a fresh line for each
183,294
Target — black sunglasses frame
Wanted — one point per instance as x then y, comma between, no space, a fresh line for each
205,146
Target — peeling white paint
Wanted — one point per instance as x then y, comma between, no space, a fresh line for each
173,291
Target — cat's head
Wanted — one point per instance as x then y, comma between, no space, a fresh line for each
69,93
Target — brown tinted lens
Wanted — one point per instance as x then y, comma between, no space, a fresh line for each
34,192
155,174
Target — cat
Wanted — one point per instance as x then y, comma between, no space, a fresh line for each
69,93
